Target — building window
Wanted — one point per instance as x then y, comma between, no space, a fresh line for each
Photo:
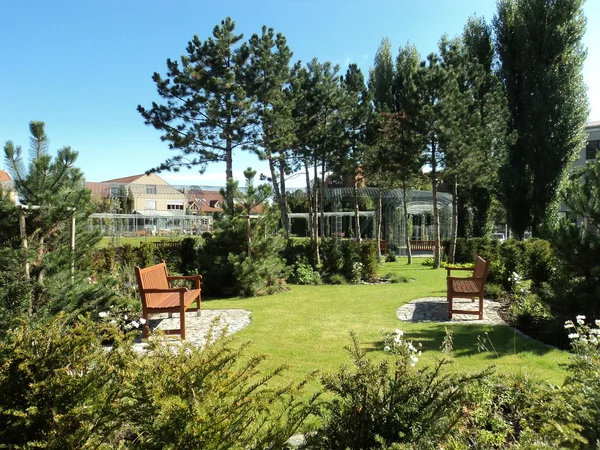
175,206
150,204
150,189
591,149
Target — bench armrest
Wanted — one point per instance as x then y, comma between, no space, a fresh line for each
184,277
164,291
448,269
196,278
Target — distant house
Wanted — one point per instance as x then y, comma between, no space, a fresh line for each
589,153
7,185
151,194
204,201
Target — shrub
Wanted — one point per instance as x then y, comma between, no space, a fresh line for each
390,257
304,274
61,389
188,255
396,278
375,405
369,259
331,256
336,279
350,259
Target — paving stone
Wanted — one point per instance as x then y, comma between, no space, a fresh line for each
216,321
435,309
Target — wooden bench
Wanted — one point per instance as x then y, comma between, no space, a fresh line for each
159,297
470,287
426,246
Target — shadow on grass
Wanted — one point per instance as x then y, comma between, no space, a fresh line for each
499,339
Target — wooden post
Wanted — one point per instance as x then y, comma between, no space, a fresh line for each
73,245
24,244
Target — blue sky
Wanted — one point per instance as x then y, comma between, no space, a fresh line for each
84,66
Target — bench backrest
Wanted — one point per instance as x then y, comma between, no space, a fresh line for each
481,269
153,277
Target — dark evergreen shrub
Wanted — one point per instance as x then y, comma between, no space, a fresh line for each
369,259
331,256
188,256
351,261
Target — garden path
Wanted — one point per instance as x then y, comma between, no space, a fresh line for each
435,309
227,321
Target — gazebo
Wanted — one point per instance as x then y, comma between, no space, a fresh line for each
339,214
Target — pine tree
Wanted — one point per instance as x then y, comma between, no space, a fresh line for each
349,158
539,44
207,113
268,75
53,192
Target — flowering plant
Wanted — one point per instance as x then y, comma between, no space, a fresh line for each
121,318
396,344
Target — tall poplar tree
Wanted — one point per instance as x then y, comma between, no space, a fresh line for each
492,132
207,113
539,44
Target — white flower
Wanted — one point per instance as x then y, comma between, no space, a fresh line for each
420,353
135,324
125,317
387,348
573,336
142,321
412,364
411,347
569,324
414,359
113,321
399,332
597,322
580,319
103,314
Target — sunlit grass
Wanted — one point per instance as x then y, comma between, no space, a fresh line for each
308,327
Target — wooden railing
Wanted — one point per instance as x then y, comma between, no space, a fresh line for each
422,245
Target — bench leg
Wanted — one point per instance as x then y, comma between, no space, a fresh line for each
182,324
145,328
480,307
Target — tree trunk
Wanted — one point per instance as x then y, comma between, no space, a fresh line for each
356,215
322,198
379,213
316,213
284,208
408,249
278,197
436,212
454,220
309,195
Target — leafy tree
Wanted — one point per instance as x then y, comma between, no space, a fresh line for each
381,78
492,137
269,73
541,57
207,113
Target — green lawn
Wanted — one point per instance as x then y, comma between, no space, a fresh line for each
307,328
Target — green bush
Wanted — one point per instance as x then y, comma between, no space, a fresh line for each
369,259
188,256
351,261
304,274
337,278
331,256
61,389
379,404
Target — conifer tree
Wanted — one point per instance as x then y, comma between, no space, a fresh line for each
539,45
349,158
268,76
207,113
54,192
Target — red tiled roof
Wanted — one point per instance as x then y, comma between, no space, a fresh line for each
125,180
4,176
